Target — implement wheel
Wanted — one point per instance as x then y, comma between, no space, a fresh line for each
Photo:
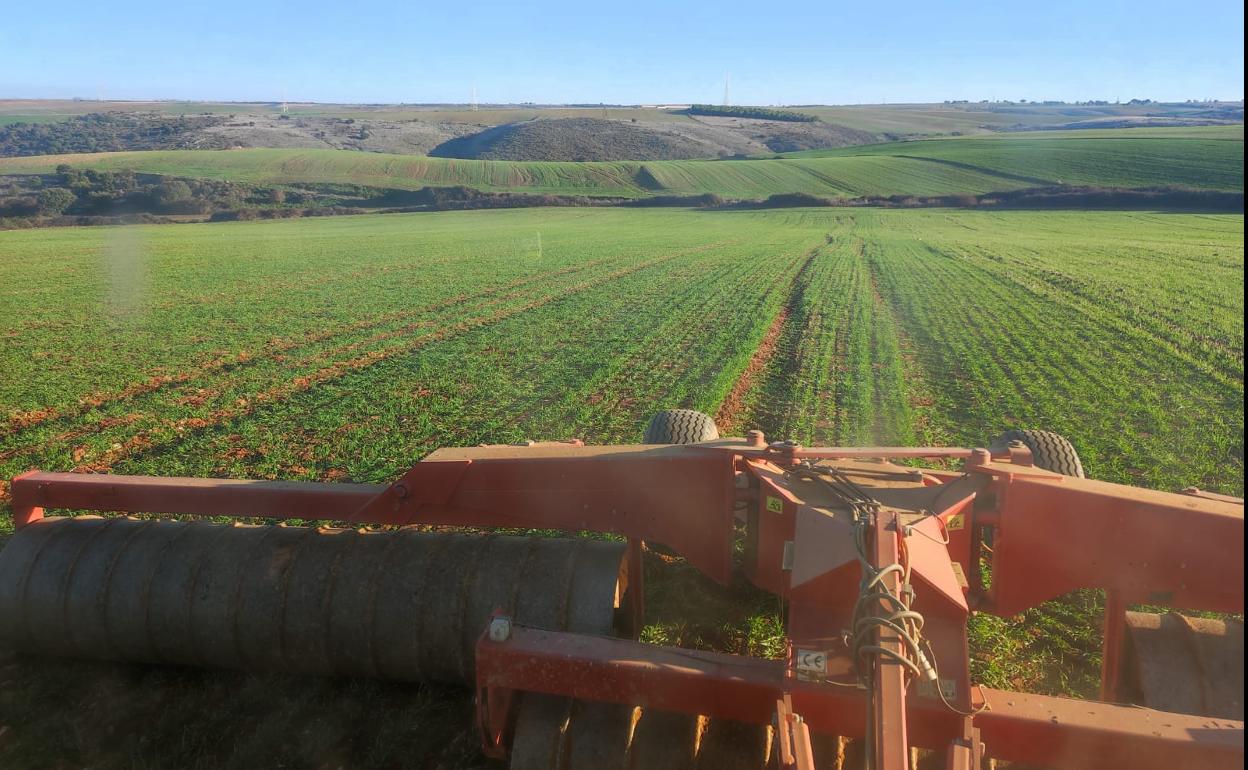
1049,450
680,426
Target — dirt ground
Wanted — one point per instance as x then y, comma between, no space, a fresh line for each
408,137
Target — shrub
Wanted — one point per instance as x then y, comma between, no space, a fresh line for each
55,200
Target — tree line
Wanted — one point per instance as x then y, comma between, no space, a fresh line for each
757,113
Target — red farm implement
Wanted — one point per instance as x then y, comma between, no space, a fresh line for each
879,564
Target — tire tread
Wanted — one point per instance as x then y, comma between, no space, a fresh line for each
1050,450
680,426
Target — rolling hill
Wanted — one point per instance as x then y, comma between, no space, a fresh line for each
1203,158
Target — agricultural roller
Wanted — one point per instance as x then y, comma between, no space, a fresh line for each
878,560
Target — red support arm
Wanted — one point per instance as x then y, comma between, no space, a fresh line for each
38,490
1058,533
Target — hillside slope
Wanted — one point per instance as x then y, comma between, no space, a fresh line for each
575,139
930,167
1206,157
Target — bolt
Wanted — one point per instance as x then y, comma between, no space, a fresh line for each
500,629
400,491
755,438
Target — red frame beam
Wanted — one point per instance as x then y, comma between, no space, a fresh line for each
1058,533
680,496
34,491
890,746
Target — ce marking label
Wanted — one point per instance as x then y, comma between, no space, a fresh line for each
812,661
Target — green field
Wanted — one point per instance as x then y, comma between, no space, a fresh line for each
347,348
194,344
1207,158
995,318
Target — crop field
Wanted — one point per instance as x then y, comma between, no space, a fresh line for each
920,119
1209,157
1206,158
344,349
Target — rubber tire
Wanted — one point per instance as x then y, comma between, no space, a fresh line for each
680,426
1049,450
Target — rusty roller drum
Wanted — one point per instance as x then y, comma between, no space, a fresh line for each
400,605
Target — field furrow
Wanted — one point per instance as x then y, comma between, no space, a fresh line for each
171,430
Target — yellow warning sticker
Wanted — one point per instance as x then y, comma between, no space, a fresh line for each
775,504
959,575
956,521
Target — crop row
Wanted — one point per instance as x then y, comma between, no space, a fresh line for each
1075,353
689,312
1121,331
838,376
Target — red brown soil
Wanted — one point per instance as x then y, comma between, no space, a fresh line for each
732,410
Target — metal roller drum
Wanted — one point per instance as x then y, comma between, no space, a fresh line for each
400,605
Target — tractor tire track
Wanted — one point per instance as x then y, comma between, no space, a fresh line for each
771,399
903,411
671,341
733,409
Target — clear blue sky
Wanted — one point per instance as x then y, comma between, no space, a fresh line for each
630,51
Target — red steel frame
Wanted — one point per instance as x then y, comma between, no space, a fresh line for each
1052,534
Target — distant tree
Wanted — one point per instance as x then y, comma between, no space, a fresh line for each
171,192
54,200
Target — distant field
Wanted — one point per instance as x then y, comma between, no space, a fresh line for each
1208,158
347,348
916,119
896,119
493,116
42,110
38,110
9,119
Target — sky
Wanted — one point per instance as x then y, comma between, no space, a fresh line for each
624,52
